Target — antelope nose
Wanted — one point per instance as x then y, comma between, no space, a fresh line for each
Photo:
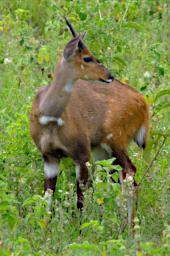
111,77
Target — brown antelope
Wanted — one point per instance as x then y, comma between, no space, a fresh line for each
75,115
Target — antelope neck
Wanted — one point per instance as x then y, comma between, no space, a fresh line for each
63,76
56,98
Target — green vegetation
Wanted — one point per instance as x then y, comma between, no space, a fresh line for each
133,39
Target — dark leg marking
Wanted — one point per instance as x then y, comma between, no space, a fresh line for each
81,153
124,161
82,180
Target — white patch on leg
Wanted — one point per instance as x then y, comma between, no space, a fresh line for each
77,171
140,137
48,196
51,170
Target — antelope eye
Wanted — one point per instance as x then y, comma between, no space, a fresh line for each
88,59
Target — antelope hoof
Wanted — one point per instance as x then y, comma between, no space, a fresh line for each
80,205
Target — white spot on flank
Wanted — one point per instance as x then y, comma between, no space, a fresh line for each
140,137
51,170
109,136
44,120
69,86
77,171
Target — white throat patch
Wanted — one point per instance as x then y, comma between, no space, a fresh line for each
69,86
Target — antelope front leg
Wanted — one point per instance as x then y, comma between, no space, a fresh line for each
51,170
82,180
128,184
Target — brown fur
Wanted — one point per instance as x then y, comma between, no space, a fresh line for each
93,111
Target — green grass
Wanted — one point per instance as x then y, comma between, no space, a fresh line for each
132,39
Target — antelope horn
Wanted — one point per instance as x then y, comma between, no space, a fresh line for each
74,33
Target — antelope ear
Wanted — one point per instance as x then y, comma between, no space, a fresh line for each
71,48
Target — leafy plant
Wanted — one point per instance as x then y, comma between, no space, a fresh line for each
132,38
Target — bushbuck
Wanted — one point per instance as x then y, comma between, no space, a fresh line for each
76,115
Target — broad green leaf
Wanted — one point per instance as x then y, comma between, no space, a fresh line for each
117,167
115,176
162,93
89,224
163,107
106,163
31,200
